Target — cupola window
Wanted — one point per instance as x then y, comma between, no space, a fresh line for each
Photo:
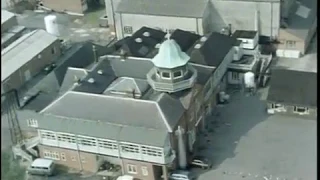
166,75
177,74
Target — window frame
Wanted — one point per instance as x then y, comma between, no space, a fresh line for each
129,148
235,76
68,138
107,144
296,110
277,106
87,141
132,169
151,151
127,29
51,155
177,77
163,77
32,123
291,44
63,156
48,135
144,170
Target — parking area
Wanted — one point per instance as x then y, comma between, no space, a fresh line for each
244,142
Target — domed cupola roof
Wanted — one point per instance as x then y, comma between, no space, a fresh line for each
170,55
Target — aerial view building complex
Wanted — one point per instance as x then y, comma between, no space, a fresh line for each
147,102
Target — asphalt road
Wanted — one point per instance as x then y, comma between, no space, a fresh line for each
248,144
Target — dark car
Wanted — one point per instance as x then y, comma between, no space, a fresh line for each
200,162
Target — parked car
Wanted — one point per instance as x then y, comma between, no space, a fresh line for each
40,166
200,162
181,175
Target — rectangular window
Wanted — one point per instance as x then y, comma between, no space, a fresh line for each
47,135
291,44
129,148
235,76
177,74
51,155
63,156
85,141
165,75
73,158
144,171
127,30
66,138
32,123
132,169
151,151
277,106
53,50
301,110
107,144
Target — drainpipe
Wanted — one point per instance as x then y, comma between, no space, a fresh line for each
78,151
94,50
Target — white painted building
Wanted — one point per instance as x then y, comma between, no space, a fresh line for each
166,15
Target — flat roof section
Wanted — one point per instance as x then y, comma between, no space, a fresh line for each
244,34
23,50
5,16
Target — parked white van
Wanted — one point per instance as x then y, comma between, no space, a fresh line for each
41,166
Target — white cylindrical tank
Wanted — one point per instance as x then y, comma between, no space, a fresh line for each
249,81
51,24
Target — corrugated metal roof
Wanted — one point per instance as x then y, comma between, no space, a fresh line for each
5,16
178,8
23,50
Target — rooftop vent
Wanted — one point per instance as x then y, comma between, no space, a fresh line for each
157,46
203,39
91,80
197,46
146,34
100,72
138,40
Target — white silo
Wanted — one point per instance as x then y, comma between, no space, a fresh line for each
249,81
181,148
51,24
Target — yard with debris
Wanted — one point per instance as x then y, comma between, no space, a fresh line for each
72,28
244,142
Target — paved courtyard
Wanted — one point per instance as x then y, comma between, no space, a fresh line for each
246,143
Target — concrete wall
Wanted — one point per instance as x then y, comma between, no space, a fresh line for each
137,21
241,15
285,36
111,6
65,5
9,24
17,79
89,162
288,110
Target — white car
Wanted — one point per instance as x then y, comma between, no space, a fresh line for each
181,175
201,162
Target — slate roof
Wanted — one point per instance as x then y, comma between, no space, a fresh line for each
189,8
214,50
184,39
127,84
141,49
104,130
161,114
70,78
299,26
101,81
293,87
